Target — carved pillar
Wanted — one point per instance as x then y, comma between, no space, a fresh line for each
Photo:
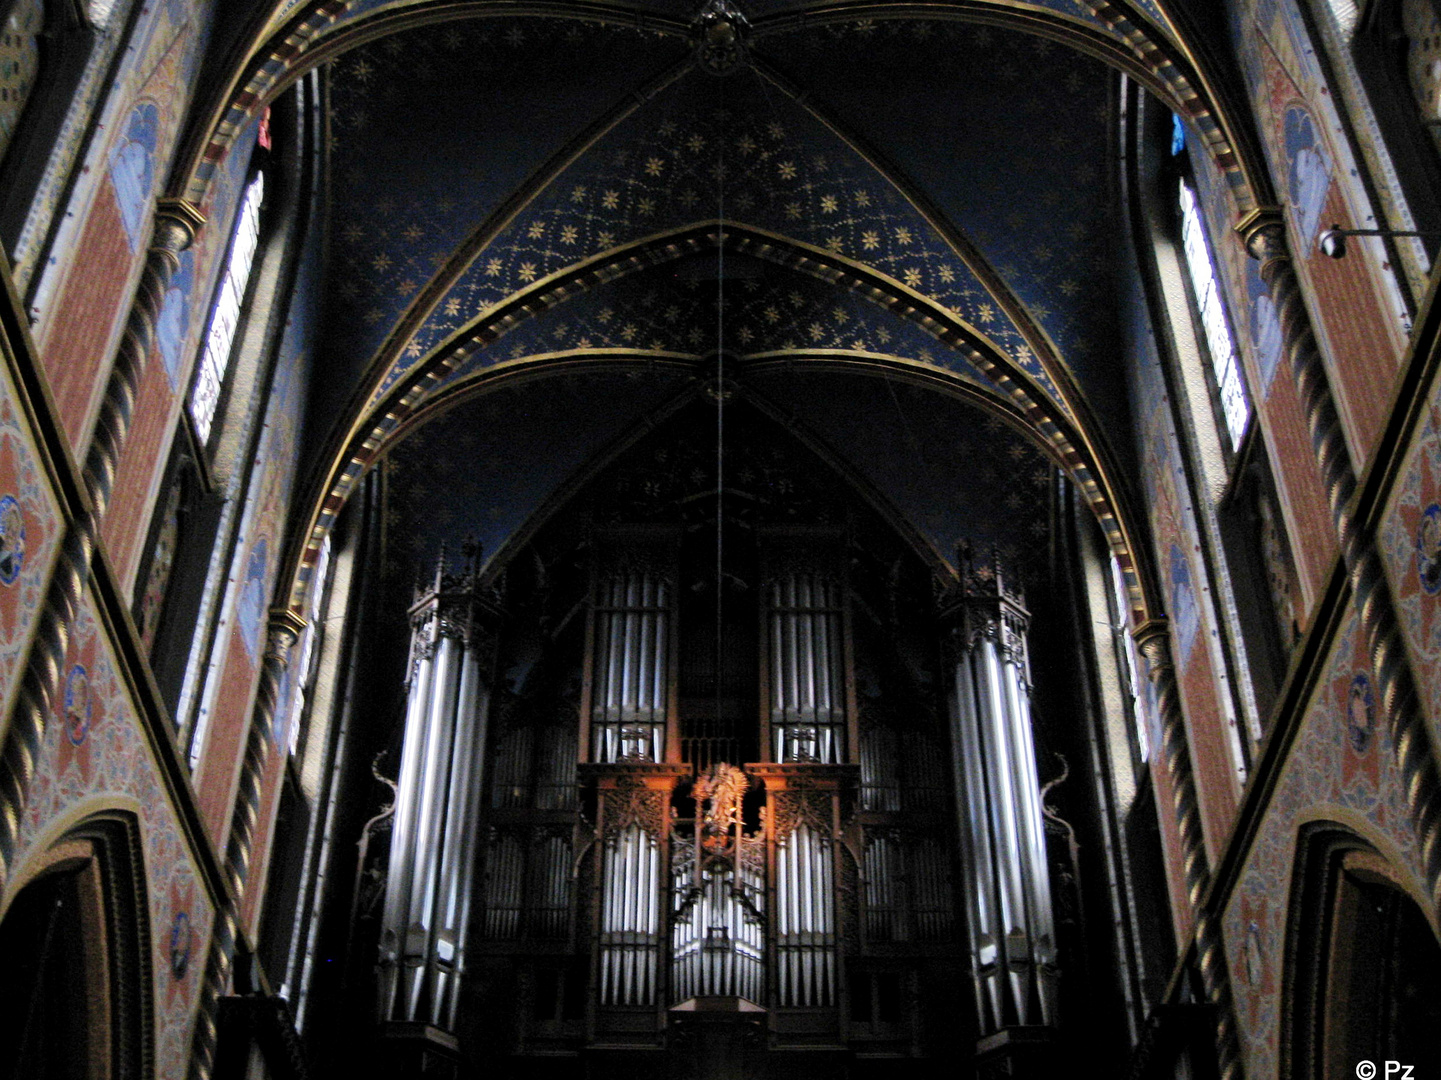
176,225
1007,882
1154,641
1265,238
432,849
283,632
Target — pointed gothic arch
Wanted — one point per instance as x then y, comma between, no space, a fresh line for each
277,55
1362,958
370,432
77,978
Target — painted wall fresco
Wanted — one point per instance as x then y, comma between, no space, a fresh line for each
182,322
1355,302
1187,600
95,756
658,169
682,312
78,326
77,134
1410,543
1272,388
19,64
229,701
784,172
453,158
1020,162
1341,768
31,527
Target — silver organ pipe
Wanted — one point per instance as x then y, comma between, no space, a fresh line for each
461,837
434,783
630,918
511,784
1007,884
880,768
808,715
718,920
882,873
805,919
403,832
504,872
428,883
930,890
630,683
555,767
547,890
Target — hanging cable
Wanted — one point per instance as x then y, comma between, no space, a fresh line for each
720,412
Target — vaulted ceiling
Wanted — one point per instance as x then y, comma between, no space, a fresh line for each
921,191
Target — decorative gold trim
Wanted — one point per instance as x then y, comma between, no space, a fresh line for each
1255,221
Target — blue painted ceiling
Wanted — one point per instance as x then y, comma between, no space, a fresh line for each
948,471
446,156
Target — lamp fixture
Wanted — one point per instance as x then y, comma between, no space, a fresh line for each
1332,242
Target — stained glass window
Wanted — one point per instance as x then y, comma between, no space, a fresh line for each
1347,14
219,341
100,12
1225,363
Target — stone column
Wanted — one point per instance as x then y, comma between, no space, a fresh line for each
1154,641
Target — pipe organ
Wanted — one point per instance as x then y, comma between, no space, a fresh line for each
807,706
1012,927
635,874
434,836
630,688
719,894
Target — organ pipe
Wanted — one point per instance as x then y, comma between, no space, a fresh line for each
1007,885
630,681
428,885
807,684
630,918
805,924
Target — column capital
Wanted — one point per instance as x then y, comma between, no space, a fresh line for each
285,628
1153,639
177,223
1263,231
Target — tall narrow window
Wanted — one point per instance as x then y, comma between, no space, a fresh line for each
295,717
1225,363
1347,14
225,317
